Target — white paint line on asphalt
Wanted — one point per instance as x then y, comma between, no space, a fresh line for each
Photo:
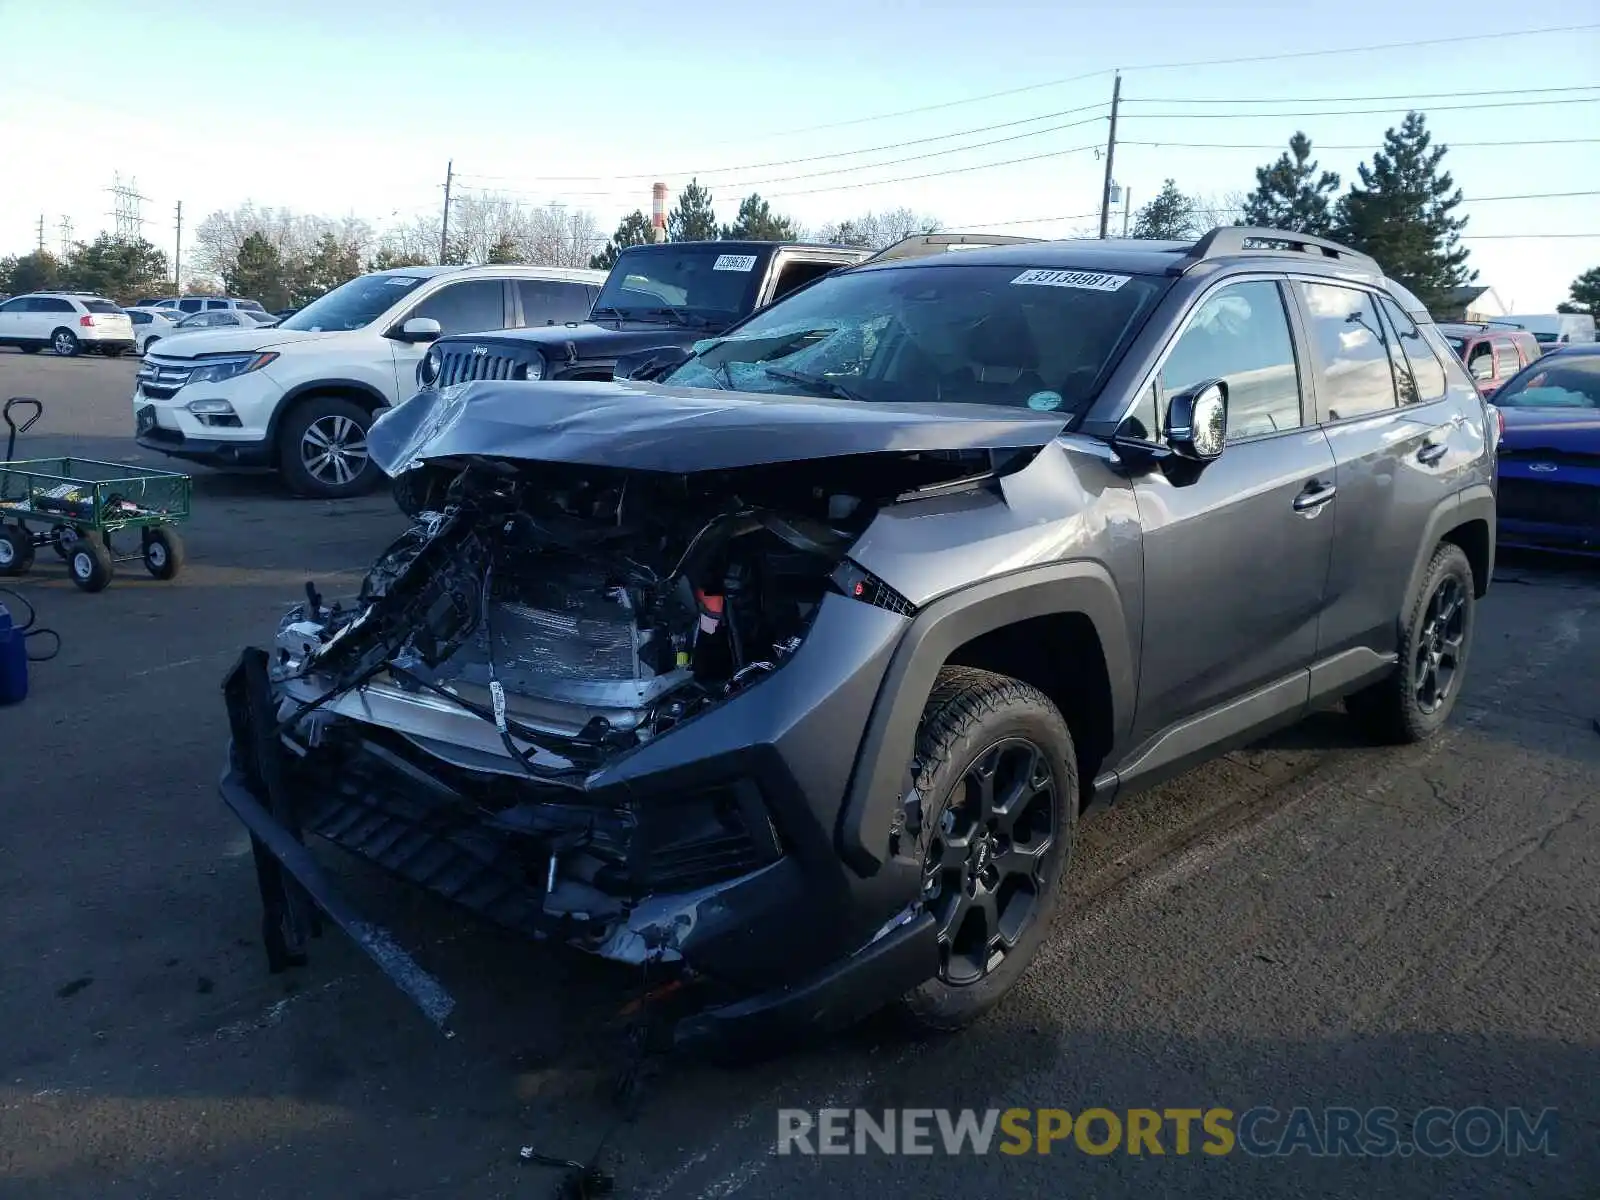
273,1013
172,666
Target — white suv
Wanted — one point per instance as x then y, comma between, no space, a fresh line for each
300,396
67,322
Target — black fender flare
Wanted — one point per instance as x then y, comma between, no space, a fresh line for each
315,386
884,757
1475,503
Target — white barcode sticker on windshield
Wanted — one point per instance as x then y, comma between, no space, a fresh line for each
1094,281
734,262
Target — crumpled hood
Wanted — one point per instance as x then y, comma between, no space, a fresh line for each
652,427
1572,429
194,343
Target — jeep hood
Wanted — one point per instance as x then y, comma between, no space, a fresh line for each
236,341
653,427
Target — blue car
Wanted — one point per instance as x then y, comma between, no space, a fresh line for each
1549,460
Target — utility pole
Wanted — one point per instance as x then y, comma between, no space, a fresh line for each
41,233
1127,204
1111,154
177,254
444,224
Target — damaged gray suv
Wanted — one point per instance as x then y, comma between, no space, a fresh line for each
791,669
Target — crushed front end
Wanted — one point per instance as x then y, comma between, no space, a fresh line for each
600,700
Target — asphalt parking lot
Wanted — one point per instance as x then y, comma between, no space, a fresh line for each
1306,922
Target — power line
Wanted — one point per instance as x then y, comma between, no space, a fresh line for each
1168,66
1529,196
1351,146
1584,87
935,174
1352,112
790,162
1490,237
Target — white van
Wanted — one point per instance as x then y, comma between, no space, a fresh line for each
1552,329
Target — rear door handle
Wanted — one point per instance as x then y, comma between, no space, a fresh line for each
1314,496
1431,452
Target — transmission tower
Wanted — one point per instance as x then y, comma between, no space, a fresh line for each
66,237
130,224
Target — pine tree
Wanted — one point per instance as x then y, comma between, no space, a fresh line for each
757,222
1291,195
504,250
1584,295
1402,214
693,219
633,230
1171,216
258,273
122,269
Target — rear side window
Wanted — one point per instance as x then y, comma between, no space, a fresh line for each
1351,352
191,304
52,304
1240,335
217,304
1505,358
1427,375
101,306
139,318
551,302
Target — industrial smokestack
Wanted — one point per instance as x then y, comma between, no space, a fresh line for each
658,212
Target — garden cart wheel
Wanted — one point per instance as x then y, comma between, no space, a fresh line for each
163,552
16,550
90,564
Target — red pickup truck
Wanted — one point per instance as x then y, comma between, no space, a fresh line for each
1492,355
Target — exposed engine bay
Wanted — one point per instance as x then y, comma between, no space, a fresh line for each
582,611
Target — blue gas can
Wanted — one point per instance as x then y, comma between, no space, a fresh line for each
13,660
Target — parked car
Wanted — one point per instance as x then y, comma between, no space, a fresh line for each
791,669
150,325
1492,356
228,318
658,298
299,396
1552,329
67,322
1549,455
194,304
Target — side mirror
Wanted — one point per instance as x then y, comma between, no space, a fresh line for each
420,329
1197,421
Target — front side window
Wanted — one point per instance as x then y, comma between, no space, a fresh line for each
1426,372
217,304
1560,381
1350,350
1240,335
1480,361
19,305
354,304
473,306
1040,338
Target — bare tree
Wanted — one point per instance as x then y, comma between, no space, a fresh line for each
558,236
877,230
294,236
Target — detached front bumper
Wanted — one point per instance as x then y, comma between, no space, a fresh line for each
758,909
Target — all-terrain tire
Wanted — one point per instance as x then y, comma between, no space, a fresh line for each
969,714
1391,710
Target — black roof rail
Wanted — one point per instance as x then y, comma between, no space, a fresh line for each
1234,239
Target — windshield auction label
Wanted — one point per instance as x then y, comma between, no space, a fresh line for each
734,262
1093,281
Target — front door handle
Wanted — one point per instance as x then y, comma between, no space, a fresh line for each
1314,496
1431,452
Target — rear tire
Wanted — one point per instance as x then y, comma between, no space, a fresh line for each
1413,703
16,550
89,563
992,870
113,351
65,343
322,449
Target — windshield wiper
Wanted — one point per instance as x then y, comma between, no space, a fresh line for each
682,316
613,313
821,383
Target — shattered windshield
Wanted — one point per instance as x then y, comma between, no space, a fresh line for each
1041,339
697,284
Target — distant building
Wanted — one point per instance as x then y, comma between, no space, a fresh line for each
1472,304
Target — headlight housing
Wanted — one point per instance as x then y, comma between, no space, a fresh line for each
218,369
430,366
533,368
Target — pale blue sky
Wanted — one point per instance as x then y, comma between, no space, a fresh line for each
356,107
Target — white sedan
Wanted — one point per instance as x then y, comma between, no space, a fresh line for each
151,325
226,318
